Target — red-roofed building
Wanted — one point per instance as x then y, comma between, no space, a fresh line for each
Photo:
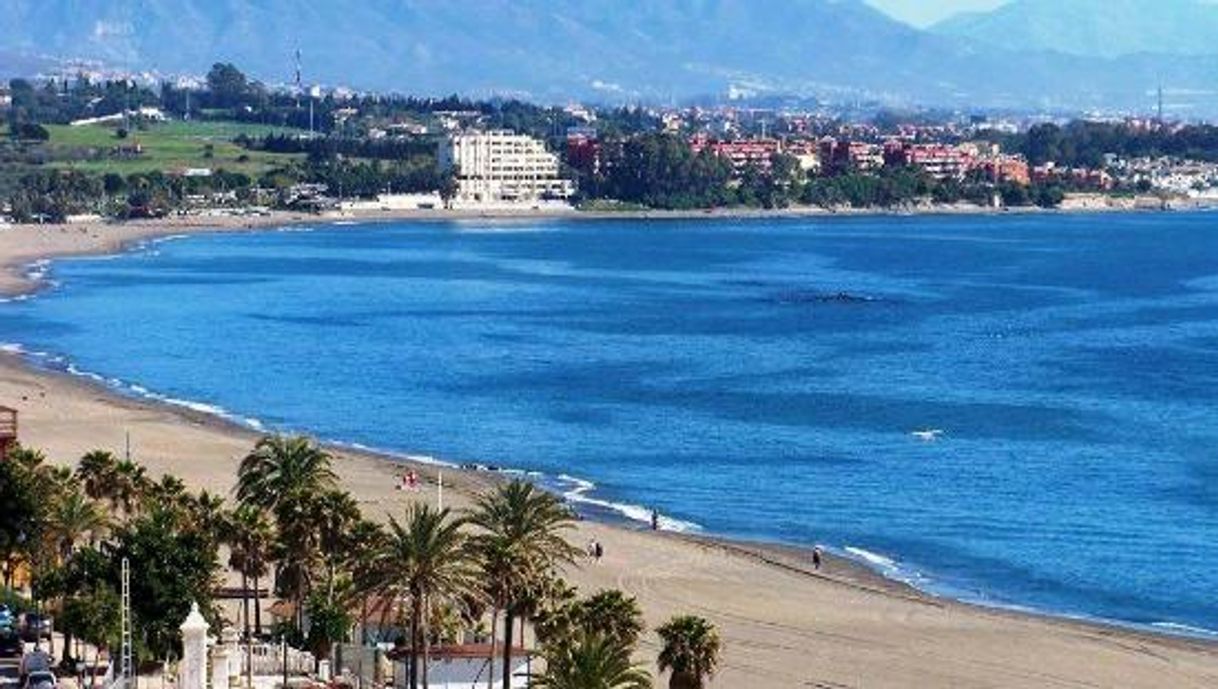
742,154
940,161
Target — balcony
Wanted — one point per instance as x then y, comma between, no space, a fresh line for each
8,429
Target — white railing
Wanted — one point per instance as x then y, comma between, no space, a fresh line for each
267,659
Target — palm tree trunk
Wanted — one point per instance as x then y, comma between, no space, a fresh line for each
426,644
416,617
245,603
257,607
67,648
490,671
509,619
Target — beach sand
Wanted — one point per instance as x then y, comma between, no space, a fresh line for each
782,624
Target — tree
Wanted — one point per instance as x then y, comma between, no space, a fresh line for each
92,615
521,543
449,186
286,476
335,514
228,86
21,516
591,662
174,567
97,472
426,559
88,574
610,614
72,517
249,553
690,651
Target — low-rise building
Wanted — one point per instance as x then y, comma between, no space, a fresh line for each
502,166
741,153
845,155
940,161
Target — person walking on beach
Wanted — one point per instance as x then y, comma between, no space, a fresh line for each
816,558
655,520
598,550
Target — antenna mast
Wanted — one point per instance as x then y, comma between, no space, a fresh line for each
1160,102
298,86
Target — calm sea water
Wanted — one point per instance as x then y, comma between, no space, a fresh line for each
1015,410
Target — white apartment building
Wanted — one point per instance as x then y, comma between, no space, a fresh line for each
502,166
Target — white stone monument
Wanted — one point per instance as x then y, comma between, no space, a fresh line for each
192,671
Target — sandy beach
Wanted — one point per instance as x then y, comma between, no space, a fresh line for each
783,625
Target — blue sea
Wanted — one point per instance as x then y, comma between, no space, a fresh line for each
1021,411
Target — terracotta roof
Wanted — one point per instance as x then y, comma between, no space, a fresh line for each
459,651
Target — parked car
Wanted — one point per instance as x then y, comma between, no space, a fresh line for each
10,642
43,679
36,627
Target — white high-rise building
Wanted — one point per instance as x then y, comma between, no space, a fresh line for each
502,166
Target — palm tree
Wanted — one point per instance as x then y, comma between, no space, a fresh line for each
170,489
127,487
365,541
286,476
249,545
207,515
520,545
426,559
691,651
335,513
97,473
592,662
72,517
283,473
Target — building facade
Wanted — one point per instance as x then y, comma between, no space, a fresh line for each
502,166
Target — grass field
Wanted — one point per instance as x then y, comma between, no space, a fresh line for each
167,147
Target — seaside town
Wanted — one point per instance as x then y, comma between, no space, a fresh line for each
880,356
80,148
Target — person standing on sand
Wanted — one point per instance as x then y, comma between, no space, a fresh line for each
598,550
655,520
816,558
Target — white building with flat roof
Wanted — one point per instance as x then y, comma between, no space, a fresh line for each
502,166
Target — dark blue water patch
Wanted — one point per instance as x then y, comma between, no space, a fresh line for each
1162,372
1020,408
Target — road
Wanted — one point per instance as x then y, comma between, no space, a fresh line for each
9,669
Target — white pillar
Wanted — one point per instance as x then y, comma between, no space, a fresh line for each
229,638
192,671
219,666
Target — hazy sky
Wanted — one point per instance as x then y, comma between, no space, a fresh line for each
926,12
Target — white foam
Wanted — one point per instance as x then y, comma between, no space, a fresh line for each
872,558
12,348
1189,630
928,435
889,567
579,492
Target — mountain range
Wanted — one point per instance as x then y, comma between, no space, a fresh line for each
614,50
1097,28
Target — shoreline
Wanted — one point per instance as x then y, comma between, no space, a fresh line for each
102,236
840,574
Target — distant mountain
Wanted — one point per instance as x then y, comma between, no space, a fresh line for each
608,49
1094,28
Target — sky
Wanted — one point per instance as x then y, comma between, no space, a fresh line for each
926,12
